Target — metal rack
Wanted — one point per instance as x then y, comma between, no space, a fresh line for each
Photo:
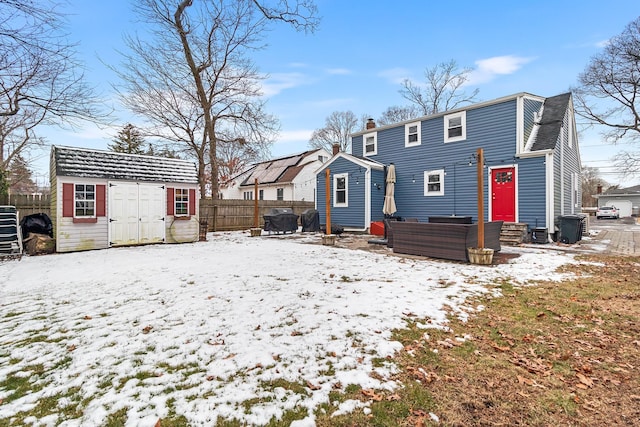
10,233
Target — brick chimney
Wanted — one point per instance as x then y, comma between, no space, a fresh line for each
599,189
336,148
371,124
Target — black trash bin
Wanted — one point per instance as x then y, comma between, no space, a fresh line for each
570,228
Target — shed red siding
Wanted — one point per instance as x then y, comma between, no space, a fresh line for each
170,201
67,200
192,201
101,200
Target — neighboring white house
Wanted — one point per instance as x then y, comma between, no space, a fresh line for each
627,200
285,178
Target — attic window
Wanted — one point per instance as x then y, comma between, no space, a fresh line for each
370,144
412,134
455,127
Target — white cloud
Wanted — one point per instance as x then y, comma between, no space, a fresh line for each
488,69
278,82
294,136
602,43
395,75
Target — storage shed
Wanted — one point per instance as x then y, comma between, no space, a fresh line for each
101,199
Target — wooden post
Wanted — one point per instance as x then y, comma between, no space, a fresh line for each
215,218
480,165
256,223
327,186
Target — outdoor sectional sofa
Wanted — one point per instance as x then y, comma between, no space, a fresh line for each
440,240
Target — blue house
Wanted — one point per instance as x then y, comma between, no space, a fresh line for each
532,171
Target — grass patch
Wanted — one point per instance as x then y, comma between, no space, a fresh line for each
550,354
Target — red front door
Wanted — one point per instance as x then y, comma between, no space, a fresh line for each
503,194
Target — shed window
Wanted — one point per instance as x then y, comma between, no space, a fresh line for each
181,198
85,200
455,127
434,183
341,190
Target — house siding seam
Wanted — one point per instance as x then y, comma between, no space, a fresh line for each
532,191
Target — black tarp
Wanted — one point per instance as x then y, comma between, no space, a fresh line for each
310,220
38,223
280,220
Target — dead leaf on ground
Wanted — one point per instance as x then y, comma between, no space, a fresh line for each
147,329
312,386
584,380
497,347
371,394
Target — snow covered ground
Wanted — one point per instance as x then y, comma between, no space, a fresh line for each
198,329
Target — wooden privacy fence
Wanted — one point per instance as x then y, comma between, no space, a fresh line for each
220,215
227,215
28,204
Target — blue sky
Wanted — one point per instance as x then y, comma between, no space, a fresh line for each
364,49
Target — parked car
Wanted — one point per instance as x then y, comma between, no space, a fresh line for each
607,212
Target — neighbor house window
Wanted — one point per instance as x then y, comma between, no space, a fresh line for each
370,144
341,190
412,134
280,193
261,194
85,200
247,195
181,199
455,127
434,183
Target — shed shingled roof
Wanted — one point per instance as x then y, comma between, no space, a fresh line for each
553,113
86,163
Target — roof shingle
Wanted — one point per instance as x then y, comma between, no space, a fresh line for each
86,163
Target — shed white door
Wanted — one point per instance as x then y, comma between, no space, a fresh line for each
136,213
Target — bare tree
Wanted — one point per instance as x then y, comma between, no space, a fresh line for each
397,114
198,53
442,90
608,93
591,182
40,81
337,130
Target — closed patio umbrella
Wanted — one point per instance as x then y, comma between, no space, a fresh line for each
389,207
